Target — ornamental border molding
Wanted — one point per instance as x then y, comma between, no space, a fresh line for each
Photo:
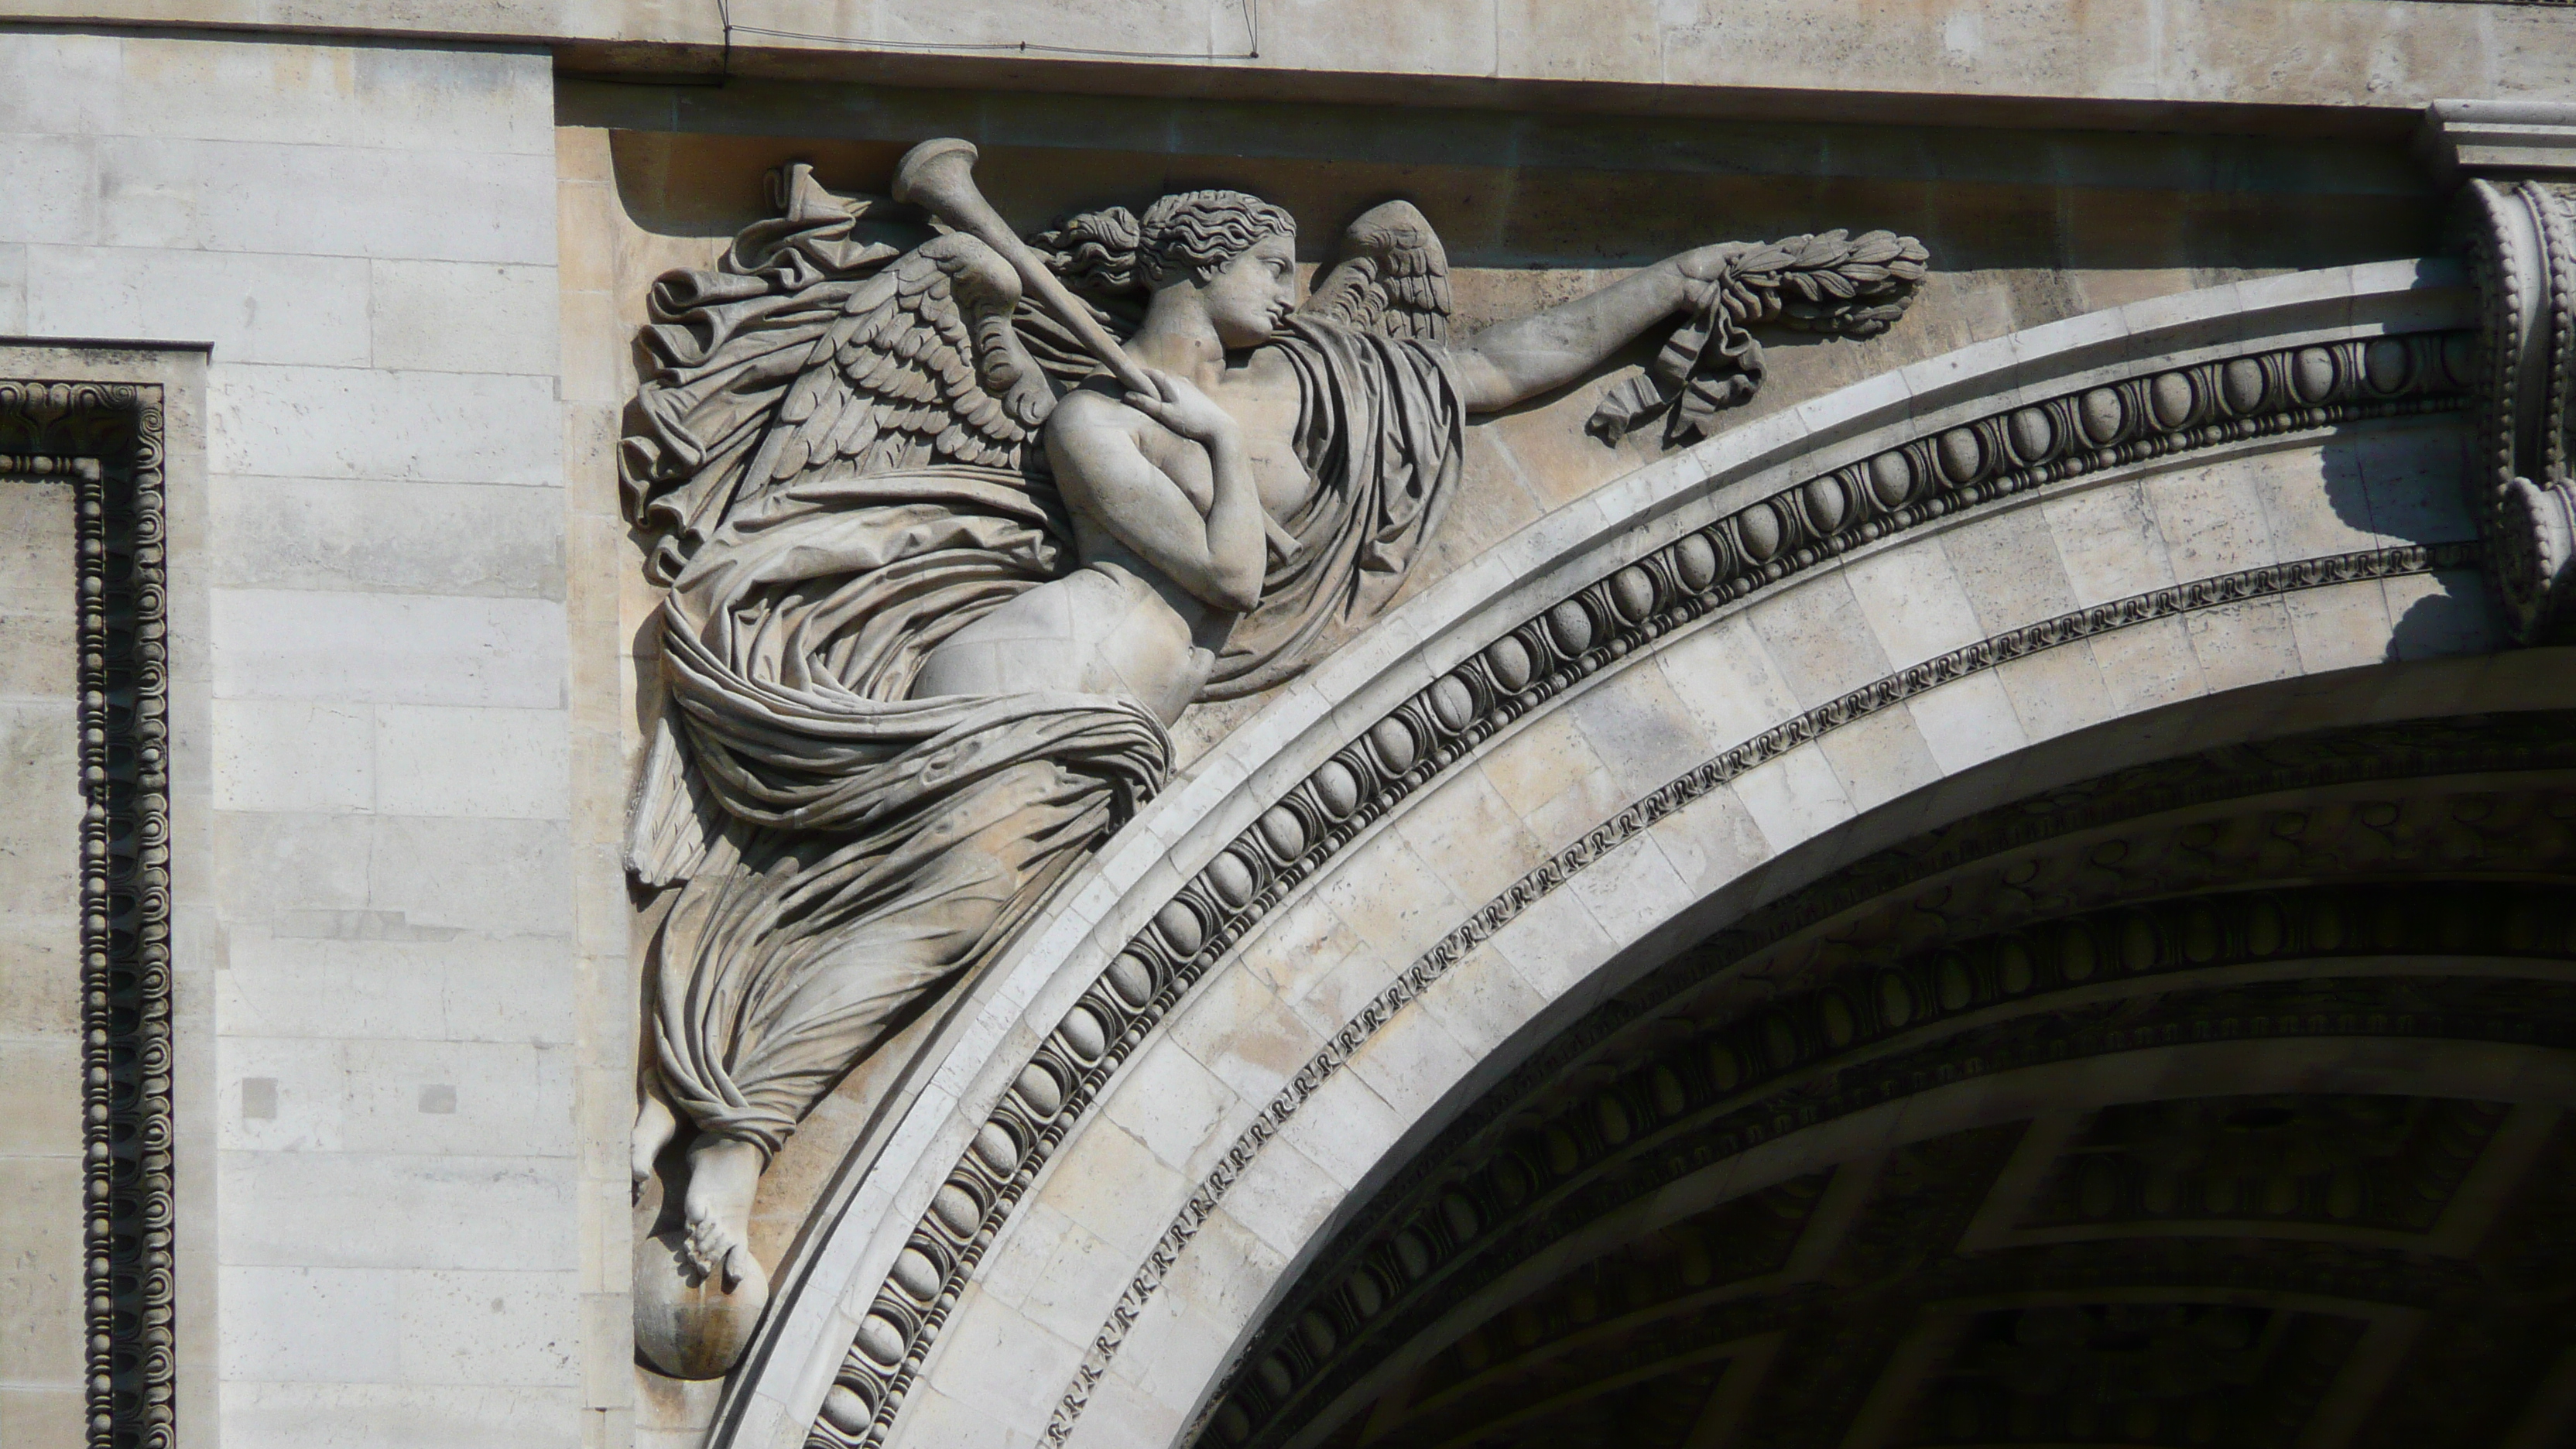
1779,1056
106,440
1671,798
2155,413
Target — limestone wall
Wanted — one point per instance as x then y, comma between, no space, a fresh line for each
2278,510
413,248
2026,228
364,238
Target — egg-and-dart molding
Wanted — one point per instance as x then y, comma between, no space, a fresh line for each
2010,452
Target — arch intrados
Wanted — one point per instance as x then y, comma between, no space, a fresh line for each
2331,916
2481,1071
2489,686
970,1061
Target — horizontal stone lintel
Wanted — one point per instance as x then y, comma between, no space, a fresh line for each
2190,65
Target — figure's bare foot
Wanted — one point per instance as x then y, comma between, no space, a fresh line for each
654,1126
723,1175
699,1292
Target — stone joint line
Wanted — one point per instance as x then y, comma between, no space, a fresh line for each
1670,798
1938,474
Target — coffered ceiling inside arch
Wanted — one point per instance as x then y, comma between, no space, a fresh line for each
2217,1102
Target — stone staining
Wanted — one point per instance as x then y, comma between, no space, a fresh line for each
938,589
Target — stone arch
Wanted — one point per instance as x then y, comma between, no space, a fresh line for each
2278,1033
2232,515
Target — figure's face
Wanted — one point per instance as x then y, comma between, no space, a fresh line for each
1254,294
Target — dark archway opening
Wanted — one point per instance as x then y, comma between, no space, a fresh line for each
2216,1102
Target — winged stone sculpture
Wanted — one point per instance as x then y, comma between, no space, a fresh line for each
955,524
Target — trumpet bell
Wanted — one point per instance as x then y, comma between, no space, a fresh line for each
936,172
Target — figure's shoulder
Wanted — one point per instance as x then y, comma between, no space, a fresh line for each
1092,406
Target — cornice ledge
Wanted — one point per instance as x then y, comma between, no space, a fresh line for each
2461,139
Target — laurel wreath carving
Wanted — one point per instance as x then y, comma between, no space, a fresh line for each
1827,282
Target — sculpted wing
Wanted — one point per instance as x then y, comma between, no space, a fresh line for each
1393,278
846,333
922,367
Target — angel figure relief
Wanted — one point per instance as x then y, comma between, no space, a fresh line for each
949,546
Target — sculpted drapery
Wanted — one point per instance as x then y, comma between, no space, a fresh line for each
936,590
846,848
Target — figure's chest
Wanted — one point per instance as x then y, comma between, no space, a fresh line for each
1268,415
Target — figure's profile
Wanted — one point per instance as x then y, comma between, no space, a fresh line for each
956,525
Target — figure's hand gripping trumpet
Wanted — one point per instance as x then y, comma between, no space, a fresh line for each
939,177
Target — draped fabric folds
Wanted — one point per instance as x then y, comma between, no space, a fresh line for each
1381,427
843,851
847,850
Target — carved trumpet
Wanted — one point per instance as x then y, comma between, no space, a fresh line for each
939,176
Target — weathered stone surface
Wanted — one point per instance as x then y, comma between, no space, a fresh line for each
41,1288
1073,654
365,239
1840,790
2166,454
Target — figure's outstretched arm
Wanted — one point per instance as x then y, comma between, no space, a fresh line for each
1510,362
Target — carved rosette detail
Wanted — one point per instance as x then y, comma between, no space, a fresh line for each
1923,479
2522,256
106,440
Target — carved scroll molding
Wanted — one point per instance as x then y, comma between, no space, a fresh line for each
2523,254
2518,212
106,441
2133,405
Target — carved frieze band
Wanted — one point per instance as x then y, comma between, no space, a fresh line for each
1923,479
106,441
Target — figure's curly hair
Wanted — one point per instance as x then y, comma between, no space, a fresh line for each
1111,251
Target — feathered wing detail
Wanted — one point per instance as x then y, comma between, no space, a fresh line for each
1830,282
850,376
1393,278
846,334
921,368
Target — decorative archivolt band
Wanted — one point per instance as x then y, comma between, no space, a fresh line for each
105,440
2134,975
1670,799
1921,480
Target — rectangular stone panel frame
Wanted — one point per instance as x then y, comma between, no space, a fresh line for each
123,426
